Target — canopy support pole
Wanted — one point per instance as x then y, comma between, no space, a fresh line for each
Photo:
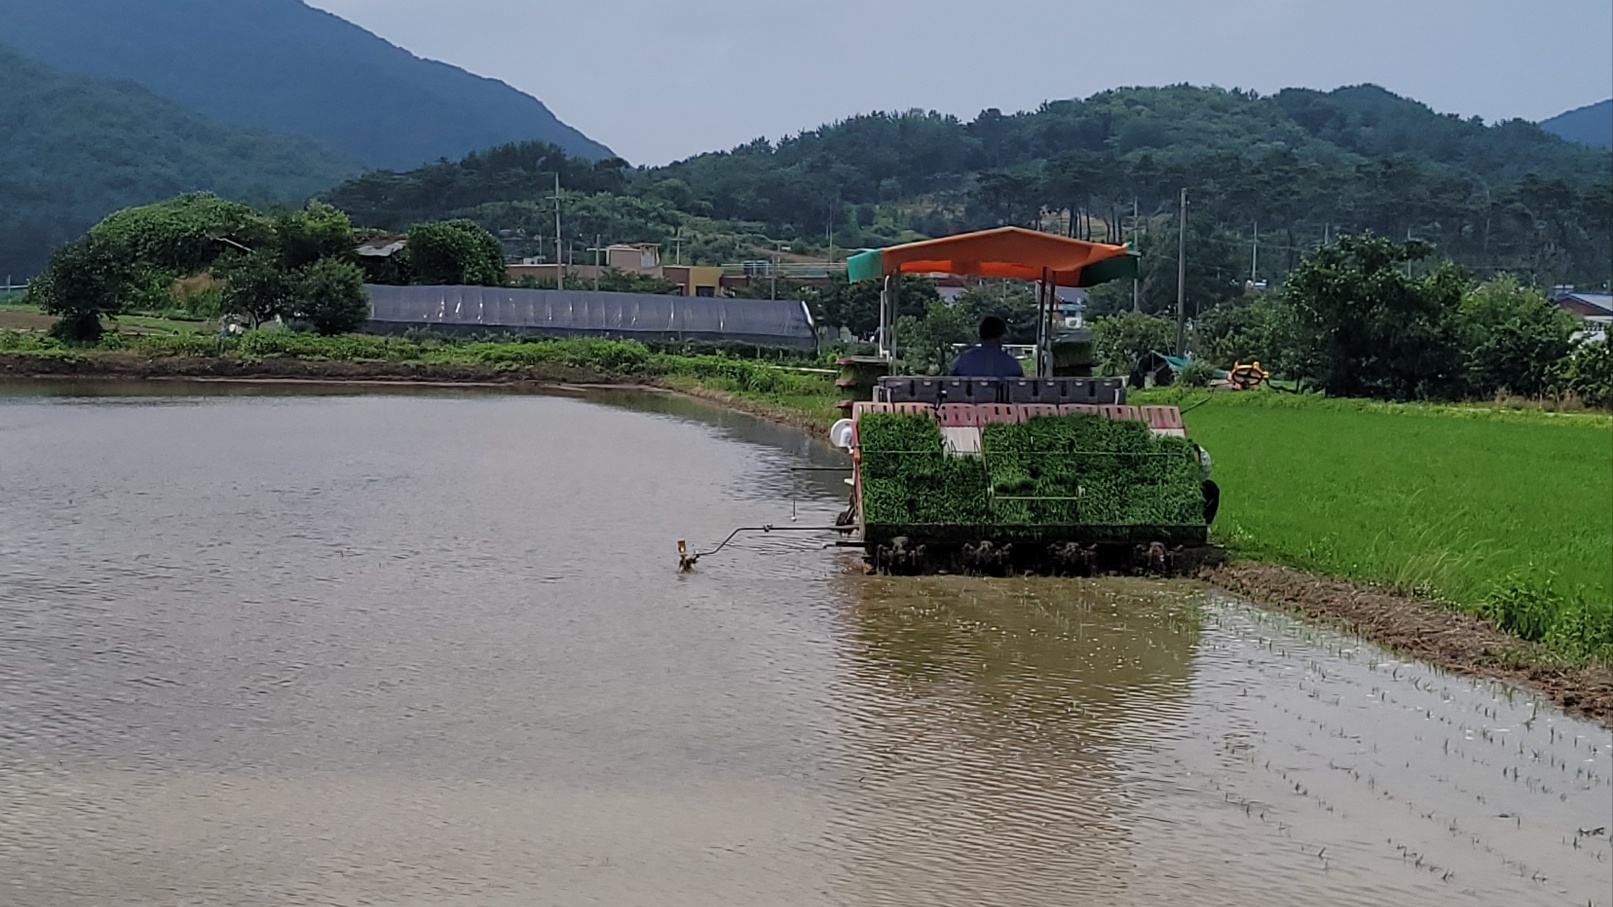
1046,293
887,319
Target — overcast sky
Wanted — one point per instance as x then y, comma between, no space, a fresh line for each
658,80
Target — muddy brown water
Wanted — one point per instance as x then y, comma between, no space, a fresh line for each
272,646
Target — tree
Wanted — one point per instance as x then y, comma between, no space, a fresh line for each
317,231
1512,336
855,305
1369,329
84,280
456,253
186,234
258,286
1259,331
1123,339
331,296
1012,301
926,344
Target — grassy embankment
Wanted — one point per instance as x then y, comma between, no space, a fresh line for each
783,392
1501,513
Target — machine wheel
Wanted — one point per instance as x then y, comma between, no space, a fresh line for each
1212,501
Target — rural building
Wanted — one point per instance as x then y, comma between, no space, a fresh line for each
585,313
1594,311
632,258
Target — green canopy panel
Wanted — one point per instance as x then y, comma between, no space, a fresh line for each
865,266
1123,267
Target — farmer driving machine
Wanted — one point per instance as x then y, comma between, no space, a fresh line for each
1047,474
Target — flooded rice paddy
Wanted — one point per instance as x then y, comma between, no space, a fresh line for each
265,648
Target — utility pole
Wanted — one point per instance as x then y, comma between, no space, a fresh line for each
598,250
1136,283
1254,257
1181,282
778,252
559,256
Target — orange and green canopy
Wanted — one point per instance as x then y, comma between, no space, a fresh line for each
1011,252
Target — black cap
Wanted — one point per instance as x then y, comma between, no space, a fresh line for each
993,328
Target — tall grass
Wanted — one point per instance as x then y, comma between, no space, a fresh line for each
1505,514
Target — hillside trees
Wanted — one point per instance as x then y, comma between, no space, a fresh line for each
1298,166
292,264
77,148
455,253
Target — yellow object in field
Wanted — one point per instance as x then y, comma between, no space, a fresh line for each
1247,377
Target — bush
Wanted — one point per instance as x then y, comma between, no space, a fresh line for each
1123,339
178,345
258,287
456,253
614,356
182,235
1532,608
346,347
1259,331
1512,335
1588,374
28,342
330,295
1198,373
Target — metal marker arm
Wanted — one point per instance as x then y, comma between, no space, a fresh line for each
686,561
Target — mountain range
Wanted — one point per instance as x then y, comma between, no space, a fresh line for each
1590,125
282,66
1296,166
78,148
111,103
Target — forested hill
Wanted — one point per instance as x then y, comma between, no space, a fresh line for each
1354,156
1301,164
77,148
1590,125
285,67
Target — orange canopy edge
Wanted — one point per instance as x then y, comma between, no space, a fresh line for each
1011,252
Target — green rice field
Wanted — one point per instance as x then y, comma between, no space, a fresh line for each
1504,513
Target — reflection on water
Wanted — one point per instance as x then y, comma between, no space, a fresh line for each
989,741
313,648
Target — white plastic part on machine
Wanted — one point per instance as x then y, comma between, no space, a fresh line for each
842,434
961,441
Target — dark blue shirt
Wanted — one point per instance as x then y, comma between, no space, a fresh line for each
987,360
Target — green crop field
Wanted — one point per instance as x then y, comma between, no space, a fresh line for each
1508,514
